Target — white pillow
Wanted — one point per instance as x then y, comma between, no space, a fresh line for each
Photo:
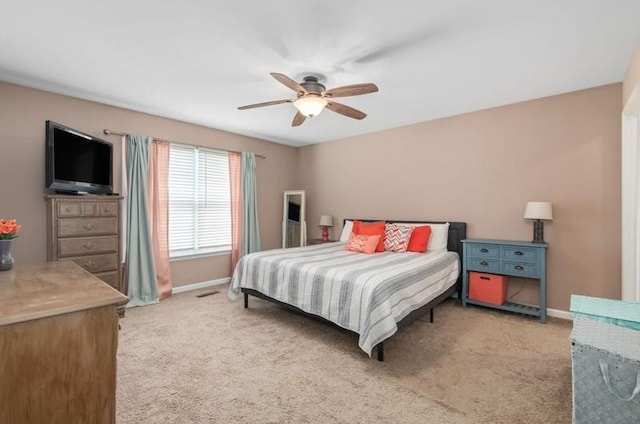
439,235
346,231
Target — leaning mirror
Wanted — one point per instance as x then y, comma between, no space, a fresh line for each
294,227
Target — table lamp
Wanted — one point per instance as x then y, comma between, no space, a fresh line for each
538,211
326,221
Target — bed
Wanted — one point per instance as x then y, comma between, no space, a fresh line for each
370,295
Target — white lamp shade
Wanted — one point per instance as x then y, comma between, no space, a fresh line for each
310,106
538,210
326,221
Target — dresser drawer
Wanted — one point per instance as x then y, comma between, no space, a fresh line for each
90,209
484,250
519,253
483,264
68,227
520,269
81,246
110,278
69,209
87,209
98,263
108,208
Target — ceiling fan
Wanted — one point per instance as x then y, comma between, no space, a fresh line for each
312,97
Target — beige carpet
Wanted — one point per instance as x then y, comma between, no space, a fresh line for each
208,360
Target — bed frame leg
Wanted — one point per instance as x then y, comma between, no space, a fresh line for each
380,352
431,315
246,301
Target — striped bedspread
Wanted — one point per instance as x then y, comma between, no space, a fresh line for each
367,294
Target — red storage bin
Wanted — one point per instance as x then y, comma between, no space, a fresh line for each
488,288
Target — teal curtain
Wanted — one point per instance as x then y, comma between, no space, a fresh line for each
140,270
250,228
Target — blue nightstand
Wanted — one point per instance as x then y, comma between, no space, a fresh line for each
511,258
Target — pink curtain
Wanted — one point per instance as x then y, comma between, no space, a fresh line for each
159,214
124,191
235,166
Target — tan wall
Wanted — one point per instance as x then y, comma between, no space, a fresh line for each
632,78
23,113
482,168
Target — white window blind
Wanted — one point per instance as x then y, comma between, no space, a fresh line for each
199,201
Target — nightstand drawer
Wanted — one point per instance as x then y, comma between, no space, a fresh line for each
520,269
519,253
484,250
483,264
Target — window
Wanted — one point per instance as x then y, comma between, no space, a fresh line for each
199,201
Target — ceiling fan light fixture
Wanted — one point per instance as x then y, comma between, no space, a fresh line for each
311,98
310,106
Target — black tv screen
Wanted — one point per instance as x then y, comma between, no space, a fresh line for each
77,162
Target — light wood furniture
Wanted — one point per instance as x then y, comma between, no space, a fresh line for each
86,230
58,342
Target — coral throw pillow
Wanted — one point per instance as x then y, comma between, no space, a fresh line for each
419,239
396,238
371,229
362,243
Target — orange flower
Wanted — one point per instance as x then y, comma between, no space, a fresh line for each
9,229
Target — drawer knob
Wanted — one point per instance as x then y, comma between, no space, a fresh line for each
518,253
484,263
89,246
90,264
484,250
519,267
88,226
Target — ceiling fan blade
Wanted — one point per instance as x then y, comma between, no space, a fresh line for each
346,110
298,119
351,90
289,82
275,102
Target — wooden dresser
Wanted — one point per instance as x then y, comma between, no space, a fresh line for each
86,230
58,343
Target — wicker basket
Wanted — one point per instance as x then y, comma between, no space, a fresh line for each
605,361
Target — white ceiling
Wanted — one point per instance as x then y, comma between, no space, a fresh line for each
198,60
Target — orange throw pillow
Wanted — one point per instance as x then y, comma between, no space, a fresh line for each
419,239
362,243
371,229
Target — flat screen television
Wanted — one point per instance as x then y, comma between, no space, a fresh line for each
77,163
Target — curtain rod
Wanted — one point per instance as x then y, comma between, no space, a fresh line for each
110,132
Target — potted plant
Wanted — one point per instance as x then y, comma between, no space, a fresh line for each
8,231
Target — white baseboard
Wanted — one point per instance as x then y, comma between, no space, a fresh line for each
558,313
196,286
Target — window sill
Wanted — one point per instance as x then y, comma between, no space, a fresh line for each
198,255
